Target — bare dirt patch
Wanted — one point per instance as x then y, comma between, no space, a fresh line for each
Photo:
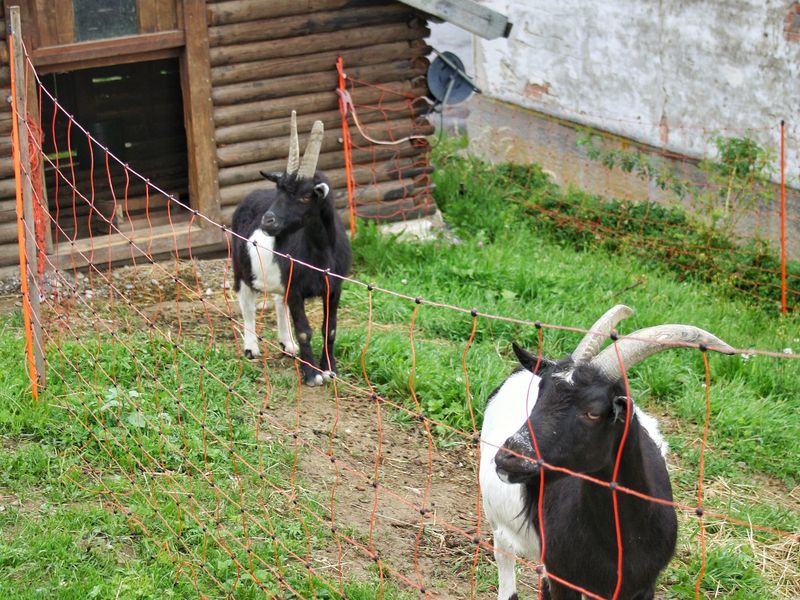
435,549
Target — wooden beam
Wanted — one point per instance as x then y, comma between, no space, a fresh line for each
318,42
238,11
280,87
469,15
264,150
69,54
150,244
316,22
250,112
327,161
318,61
198,111
279,127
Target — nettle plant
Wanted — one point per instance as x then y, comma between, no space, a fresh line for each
736,179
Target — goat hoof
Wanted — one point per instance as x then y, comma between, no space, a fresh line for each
290,348
251,354
328,375
313,380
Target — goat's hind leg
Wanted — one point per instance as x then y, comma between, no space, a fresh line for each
247,303
330,306
311,374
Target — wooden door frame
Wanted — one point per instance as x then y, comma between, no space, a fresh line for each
190,45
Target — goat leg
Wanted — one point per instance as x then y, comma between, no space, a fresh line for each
330,307
302,330
247,303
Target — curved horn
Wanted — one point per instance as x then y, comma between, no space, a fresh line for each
309,165
599,332
293,162
644,342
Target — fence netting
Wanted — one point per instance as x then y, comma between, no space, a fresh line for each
246,481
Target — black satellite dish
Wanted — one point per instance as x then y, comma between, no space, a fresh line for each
447,81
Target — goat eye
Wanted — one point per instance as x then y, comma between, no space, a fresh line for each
305,199
592,416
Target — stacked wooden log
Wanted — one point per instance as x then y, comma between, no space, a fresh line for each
9,253
269,58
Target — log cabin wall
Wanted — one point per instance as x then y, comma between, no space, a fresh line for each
268,58
9,254
257,61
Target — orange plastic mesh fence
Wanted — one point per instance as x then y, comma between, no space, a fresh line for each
244,479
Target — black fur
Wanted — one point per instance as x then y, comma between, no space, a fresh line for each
304,222
578,516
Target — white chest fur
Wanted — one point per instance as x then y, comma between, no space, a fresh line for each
266,274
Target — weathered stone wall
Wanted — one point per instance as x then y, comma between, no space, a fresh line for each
667,73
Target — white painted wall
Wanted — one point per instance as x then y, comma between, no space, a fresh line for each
666,72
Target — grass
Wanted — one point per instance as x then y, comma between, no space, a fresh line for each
66,463
63,532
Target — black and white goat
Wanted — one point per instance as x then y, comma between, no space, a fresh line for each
576,408
297,219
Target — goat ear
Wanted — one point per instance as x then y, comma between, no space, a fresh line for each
273,177
620,408
321,190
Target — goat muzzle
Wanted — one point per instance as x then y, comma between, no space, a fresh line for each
269,223
513,467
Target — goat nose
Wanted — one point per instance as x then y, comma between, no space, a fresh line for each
268,219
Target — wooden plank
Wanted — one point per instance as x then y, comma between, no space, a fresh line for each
319,61
157,242
315,82
366,176
113,59
293,26
8,232
317,42
148,17
280,127
238,11
199,111
169,17
467,14
6,167
30,30
247,152
311,103
327,161
77,53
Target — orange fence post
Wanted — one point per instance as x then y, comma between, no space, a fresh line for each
348,151
784,308
25,214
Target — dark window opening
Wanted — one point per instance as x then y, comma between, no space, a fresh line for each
136,111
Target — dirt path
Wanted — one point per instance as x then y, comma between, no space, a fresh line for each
442,559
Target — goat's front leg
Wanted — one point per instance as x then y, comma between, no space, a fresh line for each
284,327
247,303
505,559
329,309
302,330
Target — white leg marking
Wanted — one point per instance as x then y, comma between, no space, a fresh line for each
247,303
284,327
505,559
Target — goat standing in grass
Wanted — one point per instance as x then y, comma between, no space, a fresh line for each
577,409
297,219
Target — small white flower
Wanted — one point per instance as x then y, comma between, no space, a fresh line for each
745,356
787,351
404,281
